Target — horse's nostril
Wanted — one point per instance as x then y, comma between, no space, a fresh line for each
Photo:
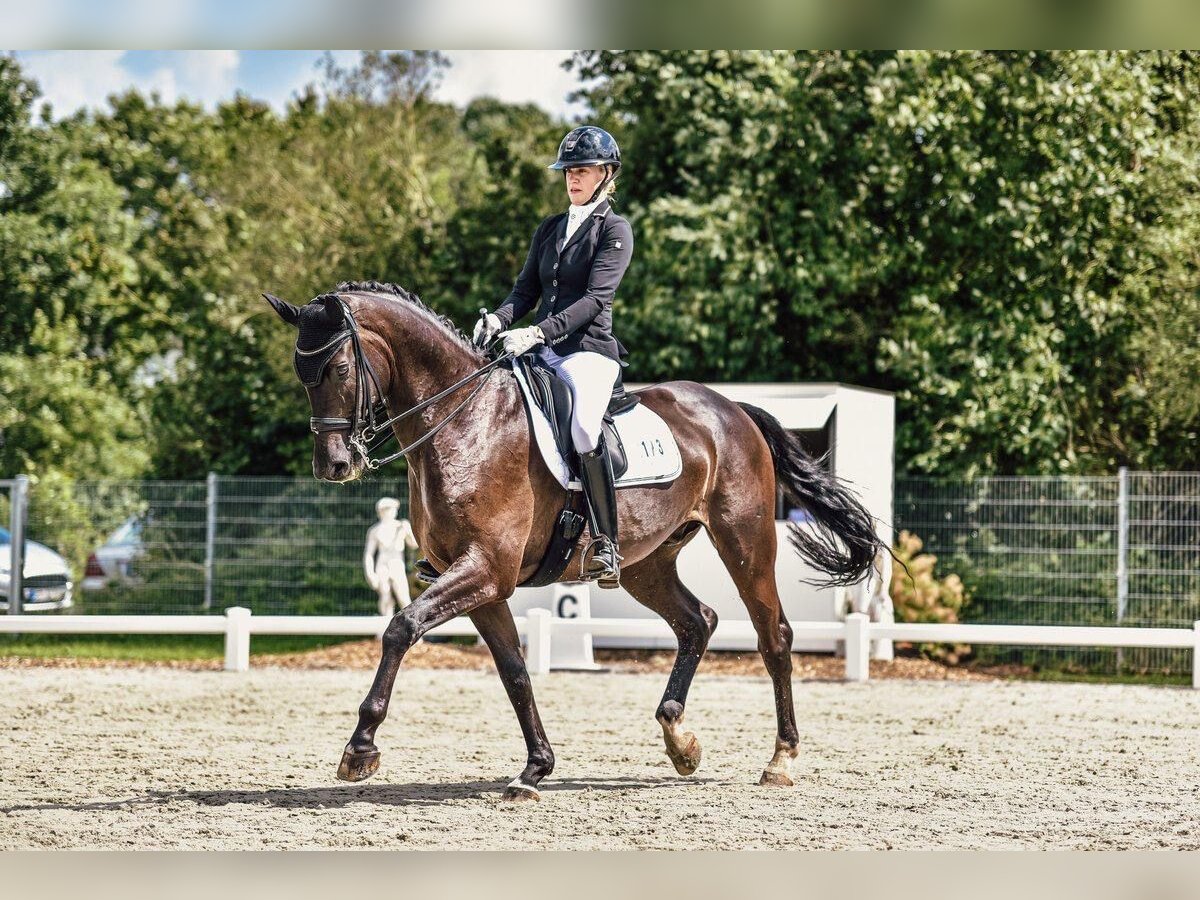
339,469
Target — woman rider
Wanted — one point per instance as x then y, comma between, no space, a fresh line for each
575,262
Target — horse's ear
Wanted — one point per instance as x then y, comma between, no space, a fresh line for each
334,310
287,312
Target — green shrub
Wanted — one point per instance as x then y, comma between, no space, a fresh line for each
920,596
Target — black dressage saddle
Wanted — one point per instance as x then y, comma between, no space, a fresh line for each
553,396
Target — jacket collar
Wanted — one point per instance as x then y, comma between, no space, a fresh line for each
598,213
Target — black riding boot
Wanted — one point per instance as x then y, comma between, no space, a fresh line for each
604,565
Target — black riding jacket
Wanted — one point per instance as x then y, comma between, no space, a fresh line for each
574,285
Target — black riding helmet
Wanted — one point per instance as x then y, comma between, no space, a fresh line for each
589,145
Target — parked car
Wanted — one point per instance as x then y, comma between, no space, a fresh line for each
113,559
47,580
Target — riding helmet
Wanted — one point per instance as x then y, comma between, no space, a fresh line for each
587,145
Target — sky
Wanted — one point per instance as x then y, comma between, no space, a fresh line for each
71,79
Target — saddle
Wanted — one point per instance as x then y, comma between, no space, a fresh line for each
553,396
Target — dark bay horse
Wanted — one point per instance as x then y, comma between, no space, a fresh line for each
483,503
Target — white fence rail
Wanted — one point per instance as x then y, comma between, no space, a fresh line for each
539,629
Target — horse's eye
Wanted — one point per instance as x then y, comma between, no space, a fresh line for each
343,369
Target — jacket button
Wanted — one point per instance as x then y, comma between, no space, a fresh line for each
554,297
556,282
556,265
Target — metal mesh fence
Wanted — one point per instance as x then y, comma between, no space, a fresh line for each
1067,551
276,545
1058,550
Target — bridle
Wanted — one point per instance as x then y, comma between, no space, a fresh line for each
369,417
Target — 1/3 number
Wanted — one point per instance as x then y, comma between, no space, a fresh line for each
653,447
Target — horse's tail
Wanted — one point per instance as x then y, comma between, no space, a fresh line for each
841,540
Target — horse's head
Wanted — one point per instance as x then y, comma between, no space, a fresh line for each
329,360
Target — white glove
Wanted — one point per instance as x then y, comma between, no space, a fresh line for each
518,340
486,328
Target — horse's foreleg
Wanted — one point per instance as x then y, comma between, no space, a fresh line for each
495,624
464,586
654,582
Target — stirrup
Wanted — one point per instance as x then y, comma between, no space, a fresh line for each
592,567
425,571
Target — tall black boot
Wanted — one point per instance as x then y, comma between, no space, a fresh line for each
604,564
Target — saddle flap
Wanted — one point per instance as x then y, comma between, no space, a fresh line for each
656,458
553,397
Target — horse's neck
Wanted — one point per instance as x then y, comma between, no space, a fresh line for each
427,360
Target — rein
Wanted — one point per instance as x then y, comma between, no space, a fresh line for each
365,425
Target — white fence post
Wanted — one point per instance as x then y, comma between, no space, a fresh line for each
537,656
858,647
1196,656
573,650
237,639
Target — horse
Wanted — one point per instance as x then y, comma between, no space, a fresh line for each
483,504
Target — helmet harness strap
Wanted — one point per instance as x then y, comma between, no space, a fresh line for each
610,174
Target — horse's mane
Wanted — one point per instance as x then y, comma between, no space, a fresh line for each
396,292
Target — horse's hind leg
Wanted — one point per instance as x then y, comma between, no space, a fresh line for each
746,543
654,582
495,624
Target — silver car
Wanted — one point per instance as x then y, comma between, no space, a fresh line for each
47,582
113,560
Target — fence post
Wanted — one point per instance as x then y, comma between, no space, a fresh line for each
237,639
858,647
16,530
1196,656
1122,541
210,537
537,656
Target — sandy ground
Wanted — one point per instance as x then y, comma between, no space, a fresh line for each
156,758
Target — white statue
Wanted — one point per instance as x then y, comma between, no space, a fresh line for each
383,558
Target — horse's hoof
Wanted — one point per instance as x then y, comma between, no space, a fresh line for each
774,778
358,766
687,760
517,793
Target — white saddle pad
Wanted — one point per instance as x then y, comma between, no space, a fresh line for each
653,454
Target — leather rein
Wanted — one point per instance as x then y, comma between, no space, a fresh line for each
366,424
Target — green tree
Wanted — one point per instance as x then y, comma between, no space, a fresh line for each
65,275
972,230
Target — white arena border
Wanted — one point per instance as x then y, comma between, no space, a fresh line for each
539,628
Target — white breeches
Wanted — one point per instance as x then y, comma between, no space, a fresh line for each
591,377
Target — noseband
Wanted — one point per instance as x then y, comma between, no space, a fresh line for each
369,416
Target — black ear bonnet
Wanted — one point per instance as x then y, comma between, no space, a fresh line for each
320,338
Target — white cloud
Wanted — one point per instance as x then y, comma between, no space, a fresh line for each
71,79
208,75
514,76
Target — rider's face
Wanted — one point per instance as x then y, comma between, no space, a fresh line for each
581,183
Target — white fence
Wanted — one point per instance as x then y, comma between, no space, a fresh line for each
539,628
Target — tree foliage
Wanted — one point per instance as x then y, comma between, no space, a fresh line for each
981,232
1007,240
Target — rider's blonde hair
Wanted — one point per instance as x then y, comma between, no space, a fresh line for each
610,189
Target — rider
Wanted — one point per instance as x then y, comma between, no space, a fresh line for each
575,262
